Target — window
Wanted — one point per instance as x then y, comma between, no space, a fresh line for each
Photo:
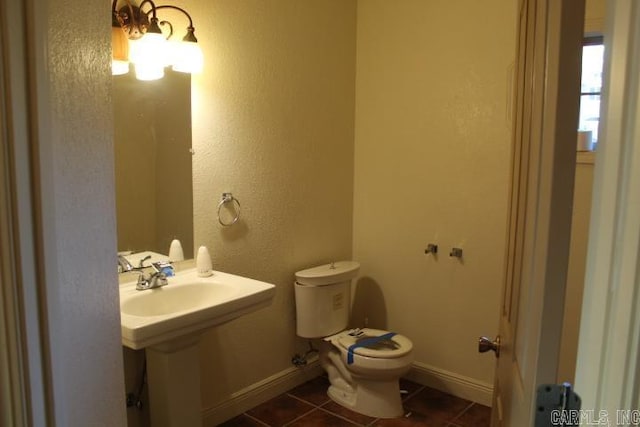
592,59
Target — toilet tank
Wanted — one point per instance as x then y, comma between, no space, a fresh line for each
323,298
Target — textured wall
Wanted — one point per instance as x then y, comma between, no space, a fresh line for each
432,159
78,214
273,123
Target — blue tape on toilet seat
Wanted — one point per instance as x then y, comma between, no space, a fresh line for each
367,342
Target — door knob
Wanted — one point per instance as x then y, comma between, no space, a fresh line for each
485,344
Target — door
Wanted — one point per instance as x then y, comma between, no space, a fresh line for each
543,164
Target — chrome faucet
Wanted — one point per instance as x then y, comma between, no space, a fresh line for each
155,280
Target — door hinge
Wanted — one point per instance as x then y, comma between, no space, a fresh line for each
557,405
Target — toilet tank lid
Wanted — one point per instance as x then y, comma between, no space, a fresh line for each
328,274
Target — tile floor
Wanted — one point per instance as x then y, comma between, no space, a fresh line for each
308,405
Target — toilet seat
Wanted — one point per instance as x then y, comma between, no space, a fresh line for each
348,341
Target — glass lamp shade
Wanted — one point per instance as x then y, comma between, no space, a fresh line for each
173,47
148,72
134,47
149,56
188,58
150,49
119,67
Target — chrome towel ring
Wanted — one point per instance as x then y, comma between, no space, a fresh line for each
228,198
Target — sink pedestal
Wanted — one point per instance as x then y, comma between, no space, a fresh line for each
173,376
168,322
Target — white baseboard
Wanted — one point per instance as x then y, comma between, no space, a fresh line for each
452,383
255,394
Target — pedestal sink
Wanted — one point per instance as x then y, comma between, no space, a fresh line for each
168,322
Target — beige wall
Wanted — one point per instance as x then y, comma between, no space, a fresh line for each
432,158
273,123
594,16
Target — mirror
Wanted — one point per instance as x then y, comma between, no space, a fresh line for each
152,139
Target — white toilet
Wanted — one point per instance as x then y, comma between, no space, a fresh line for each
364,365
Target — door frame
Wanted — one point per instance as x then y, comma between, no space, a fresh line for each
25,391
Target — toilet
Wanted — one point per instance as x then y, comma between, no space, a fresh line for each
363,365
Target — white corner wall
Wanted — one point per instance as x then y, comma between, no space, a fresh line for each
273,123
432,162
75,150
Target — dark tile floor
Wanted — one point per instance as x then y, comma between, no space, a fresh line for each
308,405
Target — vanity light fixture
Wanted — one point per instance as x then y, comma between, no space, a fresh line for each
136,37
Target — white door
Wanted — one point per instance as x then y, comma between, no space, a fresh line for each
546,112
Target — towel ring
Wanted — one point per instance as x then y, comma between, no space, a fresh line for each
228,198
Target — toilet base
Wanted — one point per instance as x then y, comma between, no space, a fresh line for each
377,399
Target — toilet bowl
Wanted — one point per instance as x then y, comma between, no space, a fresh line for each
363,365
368,375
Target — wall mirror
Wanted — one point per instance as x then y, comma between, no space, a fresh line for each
152,139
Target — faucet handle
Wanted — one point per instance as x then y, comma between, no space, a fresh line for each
164,267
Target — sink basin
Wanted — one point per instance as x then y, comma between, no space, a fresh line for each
173,299
186,306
